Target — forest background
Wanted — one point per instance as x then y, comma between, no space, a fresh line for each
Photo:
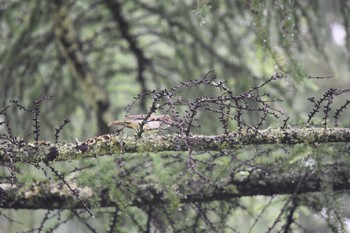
94,57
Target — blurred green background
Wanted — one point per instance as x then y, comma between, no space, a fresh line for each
95,56
82,53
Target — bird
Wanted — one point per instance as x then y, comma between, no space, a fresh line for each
156,122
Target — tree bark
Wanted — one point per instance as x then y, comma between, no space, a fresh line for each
110,144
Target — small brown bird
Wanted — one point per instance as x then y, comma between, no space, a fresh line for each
151,123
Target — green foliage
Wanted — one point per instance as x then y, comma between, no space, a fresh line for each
245,42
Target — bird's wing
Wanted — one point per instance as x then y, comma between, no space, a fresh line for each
135,117
116,123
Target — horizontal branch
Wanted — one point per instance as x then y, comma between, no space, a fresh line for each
55,195
110,144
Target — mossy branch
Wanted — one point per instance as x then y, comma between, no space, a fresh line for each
110,144
247,182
